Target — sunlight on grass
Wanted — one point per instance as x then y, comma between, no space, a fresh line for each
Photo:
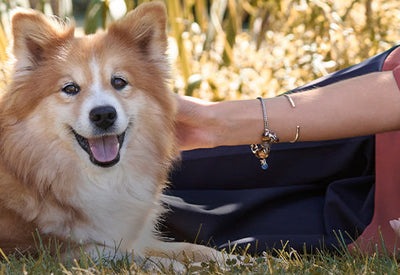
281,261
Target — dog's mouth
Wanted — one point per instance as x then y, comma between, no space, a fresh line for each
103,151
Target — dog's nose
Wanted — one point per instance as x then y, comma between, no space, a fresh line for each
103,116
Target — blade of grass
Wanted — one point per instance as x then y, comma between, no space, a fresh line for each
3,44
5,257
94,14
201,14
217,11
230,33
176,21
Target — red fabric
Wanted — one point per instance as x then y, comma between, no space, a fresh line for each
396,74
379,234
387,196
392,63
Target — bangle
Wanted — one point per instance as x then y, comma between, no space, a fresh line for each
296,138
262,150
290,100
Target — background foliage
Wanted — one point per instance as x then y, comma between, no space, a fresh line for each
231,49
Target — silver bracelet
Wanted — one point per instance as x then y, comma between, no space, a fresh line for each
262,150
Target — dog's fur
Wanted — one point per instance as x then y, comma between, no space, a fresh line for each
52,184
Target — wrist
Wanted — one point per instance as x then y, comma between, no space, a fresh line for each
235,122
213,123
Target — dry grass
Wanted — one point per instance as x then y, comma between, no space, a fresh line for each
303,41
283,261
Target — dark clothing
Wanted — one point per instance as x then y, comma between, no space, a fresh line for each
313,193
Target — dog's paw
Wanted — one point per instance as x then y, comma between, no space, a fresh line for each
164,265
217,261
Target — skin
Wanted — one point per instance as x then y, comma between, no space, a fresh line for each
363,105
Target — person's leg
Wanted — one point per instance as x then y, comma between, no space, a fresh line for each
379,234
222,195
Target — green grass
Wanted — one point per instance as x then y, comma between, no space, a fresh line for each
283,261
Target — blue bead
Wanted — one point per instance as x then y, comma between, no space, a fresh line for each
264,166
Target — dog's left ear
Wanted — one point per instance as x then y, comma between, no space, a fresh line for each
145,29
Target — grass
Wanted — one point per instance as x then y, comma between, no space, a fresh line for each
284,261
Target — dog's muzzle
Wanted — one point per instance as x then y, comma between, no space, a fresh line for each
103,150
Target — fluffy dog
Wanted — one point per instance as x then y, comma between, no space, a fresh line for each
87,136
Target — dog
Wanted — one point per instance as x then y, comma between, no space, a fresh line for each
87,137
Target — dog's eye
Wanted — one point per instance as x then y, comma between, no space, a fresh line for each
118,82
71,88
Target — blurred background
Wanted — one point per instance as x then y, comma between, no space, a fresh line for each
238,49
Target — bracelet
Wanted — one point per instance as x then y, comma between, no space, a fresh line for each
296,138
262,150
290,100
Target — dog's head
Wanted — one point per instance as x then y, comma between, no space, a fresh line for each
100,99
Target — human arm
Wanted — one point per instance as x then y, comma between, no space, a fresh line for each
366,104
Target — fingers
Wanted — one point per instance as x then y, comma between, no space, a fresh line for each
191,123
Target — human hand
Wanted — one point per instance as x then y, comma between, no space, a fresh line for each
194,123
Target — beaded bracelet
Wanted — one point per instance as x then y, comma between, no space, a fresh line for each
262,150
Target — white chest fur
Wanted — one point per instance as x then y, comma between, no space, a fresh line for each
121,207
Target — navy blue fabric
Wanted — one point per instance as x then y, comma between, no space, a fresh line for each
310,192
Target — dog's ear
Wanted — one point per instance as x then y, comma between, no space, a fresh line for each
145,29
34,34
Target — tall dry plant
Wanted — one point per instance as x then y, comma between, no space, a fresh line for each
3,51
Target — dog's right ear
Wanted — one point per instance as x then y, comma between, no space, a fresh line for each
33,35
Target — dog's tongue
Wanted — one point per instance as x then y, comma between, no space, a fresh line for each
104,149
